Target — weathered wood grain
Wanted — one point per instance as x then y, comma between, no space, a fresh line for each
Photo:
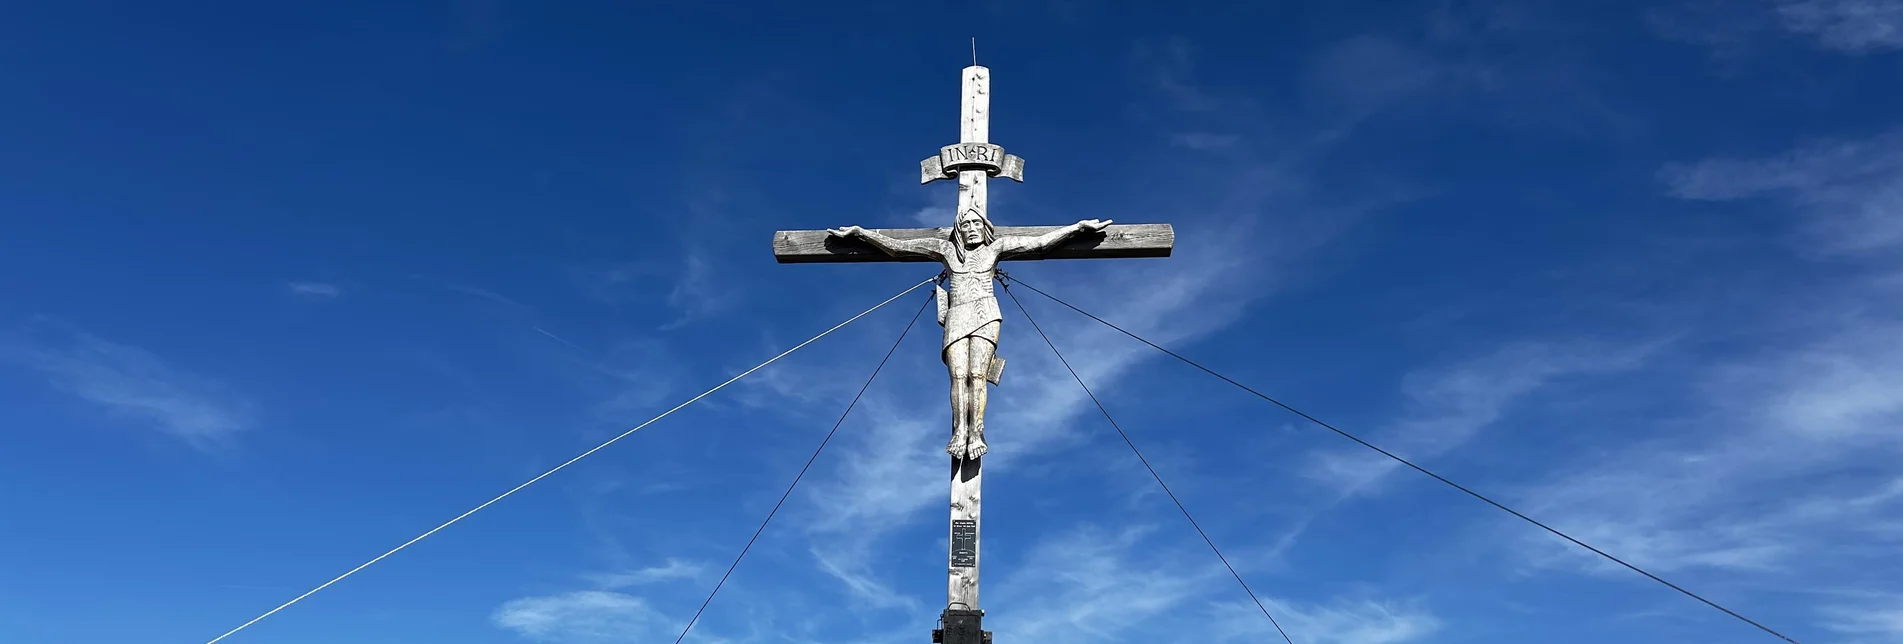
974,108
967,485
967,476
1119,241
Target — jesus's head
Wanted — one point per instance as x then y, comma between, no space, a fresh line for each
973,229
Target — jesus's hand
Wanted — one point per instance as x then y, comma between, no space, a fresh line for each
848,231
1093,225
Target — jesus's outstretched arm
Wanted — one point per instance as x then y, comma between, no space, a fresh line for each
1033,245
933,248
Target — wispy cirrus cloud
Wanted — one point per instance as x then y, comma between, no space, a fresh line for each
1849,26
492,296
632,376
1840,388
861,584
1782,470
699,291
1169,67
315,290
1782,465
1090,584
1875,619
1365,73
581,617
1727,29
935,216
1205,141
1730,28
609,610
1450,405
1706,509
889,472
134,384
687,289
1846,193
1341,621
671,570
1445,62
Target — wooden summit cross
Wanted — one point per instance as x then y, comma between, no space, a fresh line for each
968,307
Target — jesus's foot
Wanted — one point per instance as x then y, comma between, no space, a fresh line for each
975,448
957,446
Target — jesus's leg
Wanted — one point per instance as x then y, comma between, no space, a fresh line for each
958,360
981,352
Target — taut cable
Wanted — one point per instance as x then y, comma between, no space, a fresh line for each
559,468
802,473
1146,465
1416,468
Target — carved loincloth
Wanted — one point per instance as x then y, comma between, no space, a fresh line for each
969,309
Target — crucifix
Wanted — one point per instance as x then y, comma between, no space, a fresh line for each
968,307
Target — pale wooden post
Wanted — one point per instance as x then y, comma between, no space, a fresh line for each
967,475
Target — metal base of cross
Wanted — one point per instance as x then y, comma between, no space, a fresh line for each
958,626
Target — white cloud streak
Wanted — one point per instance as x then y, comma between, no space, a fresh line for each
1871,620
671,570
1785,465
608,611
1345,621
1849,26
132,383
1087,586
1848,193
699,291
580,617
1731,28
633,376
315,290
1205,141
1450,405
1094,585
931,217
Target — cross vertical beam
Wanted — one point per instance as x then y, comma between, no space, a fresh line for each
967,475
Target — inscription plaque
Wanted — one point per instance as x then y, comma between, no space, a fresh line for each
971,156
964,543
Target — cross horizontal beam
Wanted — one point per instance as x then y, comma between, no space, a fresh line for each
1117,241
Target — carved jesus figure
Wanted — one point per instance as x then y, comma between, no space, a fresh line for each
971,315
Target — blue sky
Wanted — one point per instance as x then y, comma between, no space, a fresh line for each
290,283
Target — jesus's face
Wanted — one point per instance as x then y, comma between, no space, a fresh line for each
971,229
